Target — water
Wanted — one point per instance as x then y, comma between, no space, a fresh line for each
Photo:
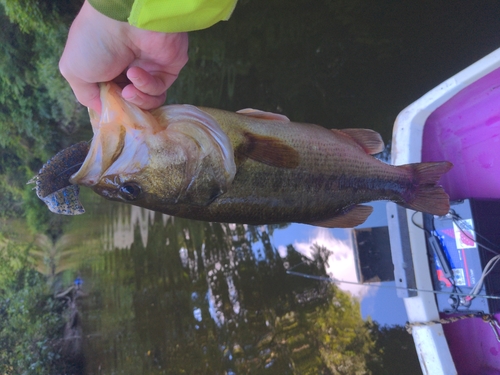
173,296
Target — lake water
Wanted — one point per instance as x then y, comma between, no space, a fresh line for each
174,296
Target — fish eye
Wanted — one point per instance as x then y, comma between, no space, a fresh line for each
130,191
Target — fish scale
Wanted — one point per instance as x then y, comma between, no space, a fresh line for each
249,167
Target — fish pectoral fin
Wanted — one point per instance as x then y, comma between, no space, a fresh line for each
352,218
250,112
269,150
369,140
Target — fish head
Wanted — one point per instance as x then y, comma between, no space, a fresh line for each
155,159
125,153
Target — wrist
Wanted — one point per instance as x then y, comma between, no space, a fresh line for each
98,23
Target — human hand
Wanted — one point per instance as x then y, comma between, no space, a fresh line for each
99,49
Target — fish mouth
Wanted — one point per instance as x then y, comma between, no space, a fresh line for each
119,140
106,147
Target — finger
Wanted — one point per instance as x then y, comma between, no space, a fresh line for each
142,100
87,93
148,82
96,104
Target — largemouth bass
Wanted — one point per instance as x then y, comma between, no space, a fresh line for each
52,181
249,167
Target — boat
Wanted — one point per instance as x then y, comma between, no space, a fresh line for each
446,268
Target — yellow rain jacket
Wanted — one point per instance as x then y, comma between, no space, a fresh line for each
167,15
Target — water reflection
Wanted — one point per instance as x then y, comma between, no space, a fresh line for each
120,232
172,296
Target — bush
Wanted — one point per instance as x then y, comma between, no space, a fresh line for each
31,319
39,114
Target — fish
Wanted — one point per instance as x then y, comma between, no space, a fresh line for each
52,184
250,166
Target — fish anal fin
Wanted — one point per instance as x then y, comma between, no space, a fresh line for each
269,150
350,219
368,139
250,112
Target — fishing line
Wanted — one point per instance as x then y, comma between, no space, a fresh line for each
336,281
456,291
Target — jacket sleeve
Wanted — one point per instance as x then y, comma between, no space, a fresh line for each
167,15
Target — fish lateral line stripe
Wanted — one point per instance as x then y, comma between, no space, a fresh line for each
359,183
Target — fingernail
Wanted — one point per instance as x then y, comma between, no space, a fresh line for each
131,74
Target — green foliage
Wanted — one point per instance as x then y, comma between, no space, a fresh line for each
30,321
38,218
39,15
29,14
13,258
30,318
38,112
344,339
36,213
392,342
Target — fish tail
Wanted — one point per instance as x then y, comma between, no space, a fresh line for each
427,195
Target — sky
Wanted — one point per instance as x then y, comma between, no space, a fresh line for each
378,300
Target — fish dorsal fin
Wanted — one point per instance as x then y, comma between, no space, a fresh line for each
269,150
368,139
352,218
250,112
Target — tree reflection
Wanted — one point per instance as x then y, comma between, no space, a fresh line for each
172,296
215,298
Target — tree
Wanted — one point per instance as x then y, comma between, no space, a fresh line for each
196,298
38,112
30,318
394,351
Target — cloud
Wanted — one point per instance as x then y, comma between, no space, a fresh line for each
341,264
